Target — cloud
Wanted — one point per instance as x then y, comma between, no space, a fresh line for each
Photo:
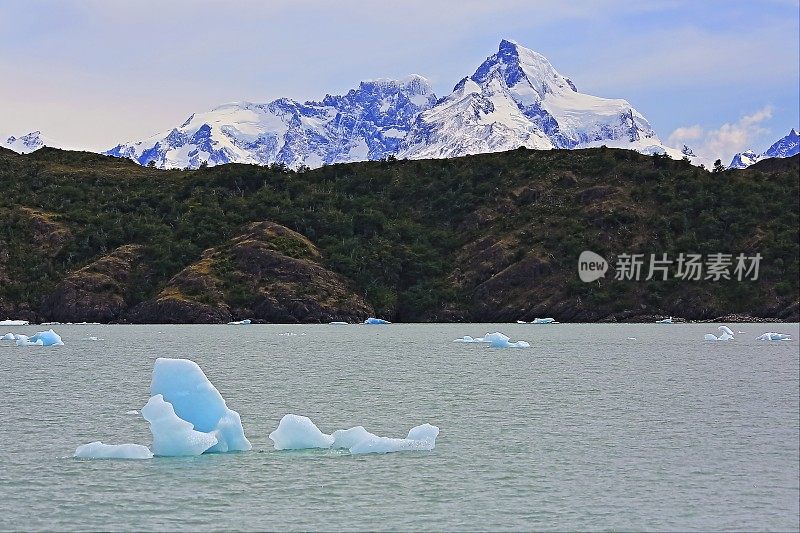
725,141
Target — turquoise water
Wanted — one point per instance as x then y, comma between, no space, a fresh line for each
585,430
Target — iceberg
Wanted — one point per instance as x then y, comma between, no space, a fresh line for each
337,323
420,438
42,338
8,337
297,432
726,335
665,321
173,436
98,450
347,438
244,322
14,322
771,336
373,320
194,399
544,321
496,340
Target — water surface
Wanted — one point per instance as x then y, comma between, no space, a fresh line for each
585,430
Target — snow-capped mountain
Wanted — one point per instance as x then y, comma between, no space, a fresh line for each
368,122
26,143
516,98
784,147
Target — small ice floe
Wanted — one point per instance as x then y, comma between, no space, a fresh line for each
8,322
539,321
297,432
50,324
631,338
98,450
664,321
337,323
244,322
8,337
132,412
496,340
94,338
375,321
726,335
771,336
741,333
42,338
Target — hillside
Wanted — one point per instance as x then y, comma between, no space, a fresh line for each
483,238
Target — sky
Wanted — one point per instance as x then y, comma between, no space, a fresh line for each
719,75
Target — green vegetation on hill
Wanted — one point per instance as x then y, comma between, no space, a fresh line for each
487,237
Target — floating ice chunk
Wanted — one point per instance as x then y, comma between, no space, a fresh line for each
726,335
420,438
631,338
183,384
665,321
544,321
132,412
297,432
468,339
771,336
8,337
373,320
521,322
337,323
14,322
499,340
42,338
173,436
98,450
244,322
347,438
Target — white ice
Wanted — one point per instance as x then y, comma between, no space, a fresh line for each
244,322
173,436
98,450
8,337
297,432
42,338
183,384
544,321
420,438
771,336
468,339
14,322
726,335
373,320
337,323
665,321
347,438
498,340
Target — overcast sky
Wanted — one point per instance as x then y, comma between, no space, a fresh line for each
719,75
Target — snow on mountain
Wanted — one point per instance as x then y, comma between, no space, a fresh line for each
516,98
784,147
26,143
368,122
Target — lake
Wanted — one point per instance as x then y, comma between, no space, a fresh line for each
588,429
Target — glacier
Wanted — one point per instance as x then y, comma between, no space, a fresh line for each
786,146
194,398
515,98
98,450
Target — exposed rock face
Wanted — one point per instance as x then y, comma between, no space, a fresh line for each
266,273
99,292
